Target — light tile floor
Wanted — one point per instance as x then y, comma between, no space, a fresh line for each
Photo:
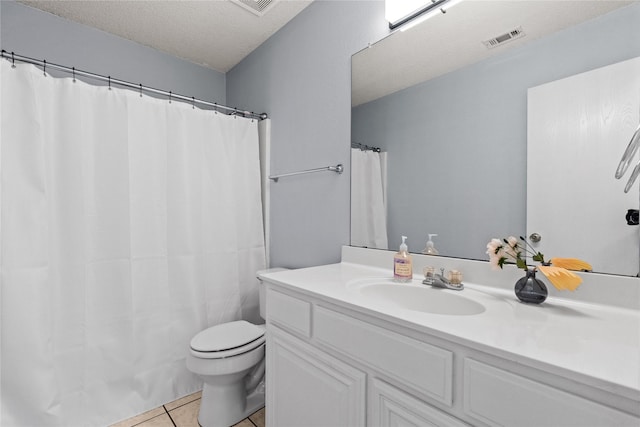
183,413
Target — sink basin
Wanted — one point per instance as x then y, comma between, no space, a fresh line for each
419,298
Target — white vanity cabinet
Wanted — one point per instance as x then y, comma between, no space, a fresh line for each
334,364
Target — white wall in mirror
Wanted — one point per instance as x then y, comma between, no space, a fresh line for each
578,128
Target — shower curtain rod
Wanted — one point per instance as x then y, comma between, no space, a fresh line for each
364,147
12,57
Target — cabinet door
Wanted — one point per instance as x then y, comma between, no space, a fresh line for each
390,407
306,387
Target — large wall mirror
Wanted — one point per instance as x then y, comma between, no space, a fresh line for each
447,101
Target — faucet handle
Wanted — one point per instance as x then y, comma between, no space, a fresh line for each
455,277
429,272
429,275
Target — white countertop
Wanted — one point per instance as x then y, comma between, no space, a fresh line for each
594,344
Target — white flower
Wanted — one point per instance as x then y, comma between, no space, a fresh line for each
494,246
513,249
495,250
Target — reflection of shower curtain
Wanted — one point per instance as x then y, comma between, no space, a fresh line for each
128,225
368,199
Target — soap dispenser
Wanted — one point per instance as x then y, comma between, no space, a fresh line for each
430,249
402,268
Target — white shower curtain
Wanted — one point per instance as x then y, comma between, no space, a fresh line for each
368,199
128,225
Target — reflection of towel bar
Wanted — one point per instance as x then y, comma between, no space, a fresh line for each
337,169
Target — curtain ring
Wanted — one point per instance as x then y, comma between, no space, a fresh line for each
109,77
169,97
44,68
215,108
193,102
74,74
13,60
140,90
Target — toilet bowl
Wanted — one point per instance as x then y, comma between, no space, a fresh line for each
224,356
230,360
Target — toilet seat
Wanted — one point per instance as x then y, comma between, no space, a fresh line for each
227,339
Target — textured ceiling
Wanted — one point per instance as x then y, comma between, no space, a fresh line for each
215,33
453,40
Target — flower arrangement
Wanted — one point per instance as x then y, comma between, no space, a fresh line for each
556,270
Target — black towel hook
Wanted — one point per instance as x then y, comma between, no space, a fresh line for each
74,73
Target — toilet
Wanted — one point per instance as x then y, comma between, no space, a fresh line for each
230,359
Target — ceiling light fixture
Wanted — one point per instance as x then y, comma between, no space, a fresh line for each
399,12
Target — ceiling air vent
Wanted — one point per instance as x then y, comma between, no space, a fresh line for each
257,7
503,38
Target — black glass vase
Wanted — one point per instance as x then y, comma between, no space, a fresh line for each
531,290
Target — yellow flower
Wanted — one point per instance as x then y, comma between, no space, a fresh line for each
571,264
561,278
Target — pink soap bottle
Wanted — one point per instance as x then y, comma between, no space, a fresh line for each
402,267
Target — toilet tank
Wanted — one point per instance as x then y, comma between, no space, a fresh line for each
261,289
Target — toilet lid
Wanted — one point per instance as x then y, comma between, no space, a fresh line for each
228,336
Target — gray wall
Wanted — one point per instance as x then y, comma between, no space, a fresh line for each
301,77
462,137
31,32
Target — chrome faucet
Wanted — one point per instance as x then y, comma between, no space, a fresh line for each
439,281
